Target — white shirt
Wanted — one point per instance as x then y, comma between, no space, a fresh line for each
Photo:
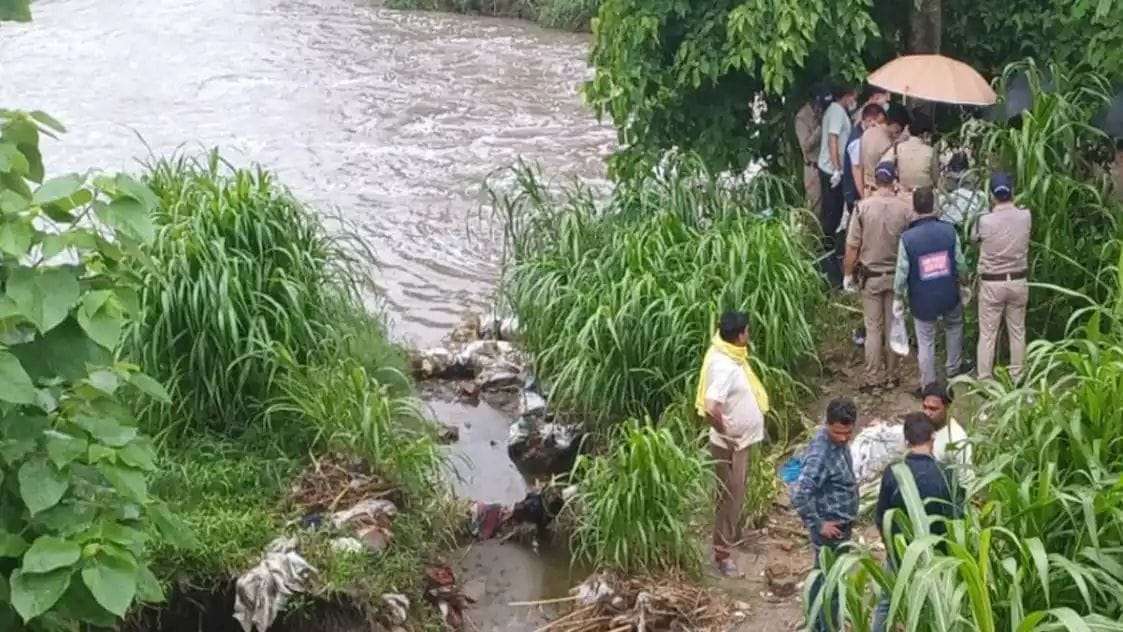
727,386
951,446
855,151
835,122
962,206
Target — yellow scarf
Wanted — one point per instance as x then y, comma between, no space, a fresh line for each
740,355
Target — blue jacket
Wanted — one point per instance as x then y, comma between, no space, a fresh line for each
933,281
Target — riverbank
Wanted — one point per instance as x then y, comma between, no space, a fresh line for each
566,15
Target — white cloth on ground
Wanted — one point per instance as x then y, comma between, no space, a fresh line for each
261,593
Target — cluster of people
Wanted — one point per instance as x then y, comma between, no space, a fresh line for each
892,235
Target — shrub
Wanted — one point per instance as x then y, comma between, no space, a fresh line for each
635,504
618,301
243,282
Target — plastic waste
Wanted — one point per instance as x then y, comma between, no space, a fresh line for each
899,335
263,591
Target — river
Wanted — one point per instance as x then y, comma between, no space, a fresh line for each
391,119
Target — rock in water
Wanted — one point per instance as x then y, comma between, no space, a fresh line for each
540,448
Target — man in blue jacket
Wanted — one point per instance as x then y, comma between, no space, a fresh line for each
929,268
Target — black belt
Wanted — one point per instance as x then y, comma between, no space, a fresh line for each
1012,276
873,275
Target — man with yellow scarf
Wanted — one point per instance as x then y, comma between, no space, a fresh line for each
733,401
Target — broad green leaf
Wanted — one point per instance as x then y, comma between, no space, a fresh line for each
63,449
139,453
104,381
125,536
59,210
35,594
12,545
131,217
47,120
150,387
98,453
63,352
68,518
48,553
112,581
171,527
41,485
12,202
129,481
78,604
15,237
58,188
103,327
44,296
148,588
15,10
106,431
12,161
53,244
129,186
15,384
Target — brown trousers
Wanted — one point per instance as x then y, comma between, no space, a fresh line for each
998,299
881,362
732,467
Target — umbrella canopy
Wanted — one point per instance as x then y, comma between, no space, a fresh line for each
934,78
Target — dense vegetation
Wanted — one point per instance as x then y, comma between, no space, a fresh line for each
723,79
638,281
75,509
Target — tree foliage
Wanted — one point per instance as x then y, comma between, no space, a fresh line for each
686,75
74,505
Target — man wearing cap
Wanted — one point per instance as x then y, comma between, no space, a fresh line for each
871,260
929,270
914,156
1003,236
876,140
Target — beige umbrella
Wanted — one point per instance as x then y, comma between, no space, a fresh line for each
934,78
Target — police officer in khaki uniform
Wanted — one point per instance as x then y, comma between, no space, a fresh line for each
876,140
870,264
914,156
809,135
1003,237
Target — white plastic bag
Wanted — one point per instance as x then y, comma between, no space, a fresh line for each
899,334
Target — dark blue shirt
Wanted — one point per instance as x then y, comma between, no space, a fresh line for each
934,482
826,490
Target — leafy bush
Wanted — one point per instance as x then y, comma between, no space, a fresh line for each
75,510
635,504
1055,154
618,302
243,282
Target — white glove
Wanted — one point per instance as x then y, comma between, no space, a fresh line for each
848,284
836,179
898,308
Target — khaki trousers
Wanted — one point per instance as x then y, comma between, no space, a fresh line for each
998,299
811,187
732,467
877,309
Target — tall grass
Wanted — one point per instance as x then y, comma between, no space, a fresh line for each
242,279
618,300
1056,155
637,505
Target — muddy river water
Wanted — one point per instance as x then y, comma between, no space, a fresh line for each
389,119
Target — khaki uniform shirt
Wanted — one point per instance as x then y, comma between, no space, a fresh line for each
1003,237
914,159
875,141
875,230
808,132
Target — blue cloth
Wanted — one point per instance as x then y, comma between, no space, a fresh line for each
789,471
827,490
933,281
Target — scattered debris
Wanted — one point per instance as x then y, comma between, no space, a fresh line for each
396,608
539,447
608,603
529,519
263,591
334,481
486,520
369,512
443,593
782,582
447,434
347,545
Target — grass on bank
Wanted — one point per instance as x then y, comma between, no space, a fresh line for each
252,314
568,15
617,300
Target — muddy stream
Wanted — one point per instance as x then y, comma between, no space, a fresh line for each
390,120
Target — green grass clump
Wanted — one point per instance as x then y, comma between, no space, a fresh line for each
243,281
637,505
617,301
